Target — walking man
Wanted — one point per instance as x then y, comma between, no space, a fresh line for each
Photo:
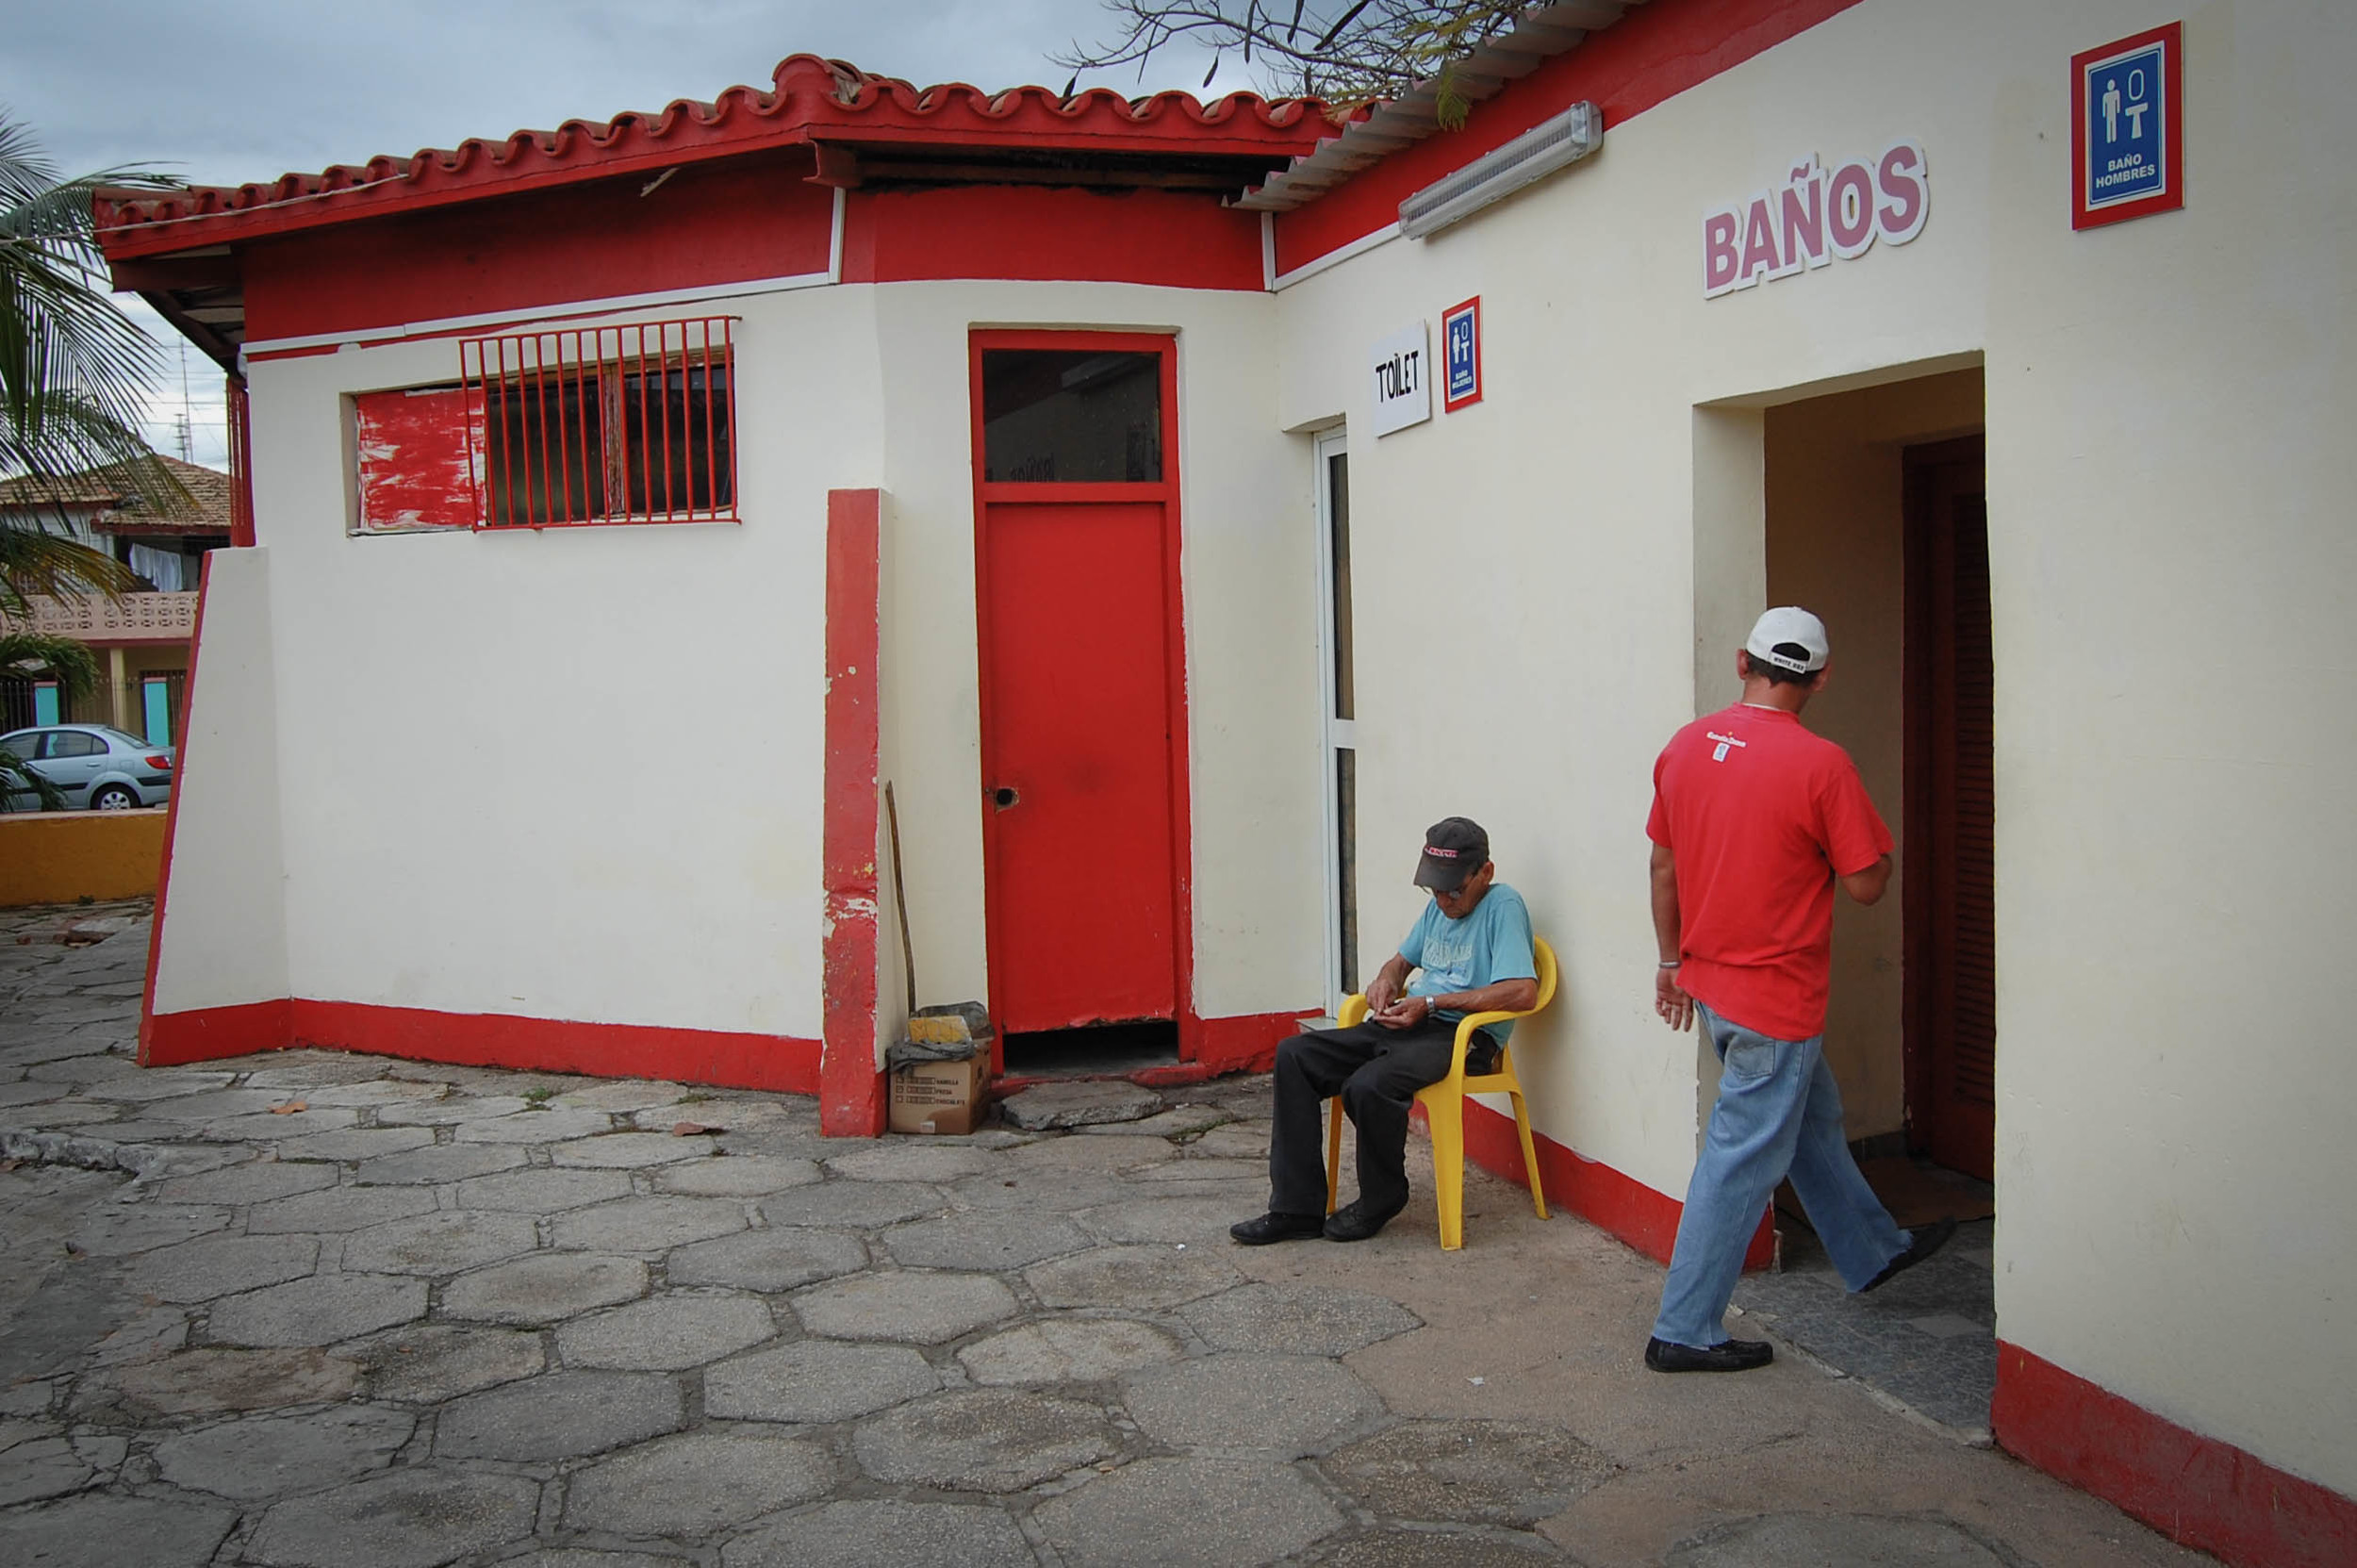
1753,821
1468,953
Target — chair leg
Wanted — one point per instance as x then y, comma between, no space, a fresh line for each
1530,1156
1446,1112
1333,1150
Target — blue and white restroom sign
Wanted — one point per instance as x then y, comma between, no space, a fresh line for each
1461,343
2127,135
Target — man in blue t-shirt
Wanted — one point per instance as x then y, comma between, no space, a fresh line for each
1469,952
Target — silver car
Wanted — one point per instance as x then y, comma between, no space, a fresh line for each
91,764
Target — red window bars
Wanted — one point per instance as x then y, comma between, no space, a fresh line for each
602,425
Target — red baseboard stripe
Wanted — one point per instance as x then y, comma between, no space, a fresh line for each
773,1062
1246,1044
1645,1220
2196,1490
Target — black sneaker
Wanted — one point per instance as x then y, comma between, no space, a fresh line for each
1734,1355
1356,1222
1278,1227
1921,1243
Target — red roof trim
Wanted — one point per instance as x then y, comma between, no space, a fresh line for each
810,100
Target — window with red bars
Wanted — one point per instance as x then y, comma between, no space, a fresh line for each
602,424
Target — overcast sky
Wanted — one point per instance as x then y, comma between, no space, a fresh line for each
235,91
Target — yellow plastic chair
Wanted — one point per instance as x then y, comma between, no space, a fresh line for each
1444,1107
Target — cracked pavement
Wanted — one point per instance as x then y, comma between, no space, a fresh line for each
311,1309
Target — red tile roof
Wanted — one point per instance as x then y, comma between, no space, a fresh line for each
120,507
810,100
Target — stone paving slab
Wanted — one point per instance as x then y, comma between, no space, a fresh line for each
913,1307
744,1175
884,1534
1156,1276
544,1288
670,1334
559,1415
769,1260
413,1518
1079,1103
1080,1351
1178,1512
564,1338
427,1363
1297,1320
1291,1406
261,1457
983,1440
818,1382
698,1482
540,1191
321,1310
93,1530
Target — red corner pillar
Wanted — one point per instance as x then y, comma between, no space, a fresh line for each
850,1087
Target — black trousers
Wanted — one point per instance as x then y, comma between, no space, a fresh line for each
1377,1072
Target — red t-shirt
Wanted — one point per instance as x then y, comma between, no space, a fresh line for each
1761,816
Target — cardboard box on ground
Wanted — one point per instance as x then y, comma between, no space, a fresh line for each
941,1071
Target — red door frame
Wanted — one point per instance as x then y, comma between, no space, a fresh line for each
1165,492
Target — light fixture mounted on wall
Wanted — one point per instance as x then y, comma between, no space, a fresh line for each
1498,174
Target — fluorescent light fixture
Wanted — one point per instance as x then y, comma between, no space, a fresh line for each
1495,176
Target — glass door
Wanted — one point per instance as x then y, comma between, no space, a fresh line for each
1338,702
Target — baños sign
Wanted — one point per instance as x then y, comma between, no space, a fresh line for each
1817,217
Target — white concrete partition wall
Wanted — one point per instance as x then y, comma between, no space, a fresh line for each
571,773
226,904
1550,581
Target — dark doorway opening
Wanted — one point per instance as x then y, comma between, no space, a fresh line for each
1950,880
1102,1050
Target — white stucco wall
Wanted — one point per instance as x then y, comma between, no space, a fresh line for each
1563,512
573,773
2167,410
577,774
224,924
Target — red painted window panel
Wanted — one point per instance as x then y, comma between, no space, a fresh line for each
413,462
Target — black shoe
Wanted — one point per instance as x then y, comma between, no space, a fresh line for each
1356,1222
1734,1355
1921,1243
1276,1225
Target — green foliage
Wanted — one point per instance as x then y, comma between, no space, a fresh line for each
74,370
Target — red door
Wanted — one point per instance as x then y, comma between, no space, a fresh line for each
1082,793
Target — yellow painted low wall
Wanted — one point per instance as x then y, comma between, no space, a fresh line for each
56,857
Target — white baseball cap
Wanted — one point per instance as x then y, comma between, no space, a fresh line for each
1778,632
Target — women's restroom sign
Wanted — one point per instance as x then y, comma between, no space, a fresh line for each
2127,128
1461,339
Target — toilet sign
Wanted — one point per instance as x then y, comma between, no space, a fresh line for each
2127,128
1400,374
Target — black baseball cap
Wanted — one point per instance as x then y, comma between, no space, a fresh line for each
1454,848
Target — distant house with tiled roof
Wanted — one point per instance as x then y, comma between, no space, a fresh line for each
144,635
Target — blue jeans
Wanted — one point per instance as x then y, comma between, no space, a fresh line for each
1779,1112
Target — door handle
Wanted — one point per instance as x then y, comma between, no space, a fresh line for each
1003,796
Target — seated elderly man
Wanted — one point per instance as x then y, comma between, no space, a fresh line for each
1469,952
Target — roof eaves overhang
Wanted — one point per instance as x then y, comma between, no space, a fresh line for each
1539,35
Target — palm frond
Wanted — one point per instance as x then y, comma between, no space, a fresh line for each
68,662
38,563
17,774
